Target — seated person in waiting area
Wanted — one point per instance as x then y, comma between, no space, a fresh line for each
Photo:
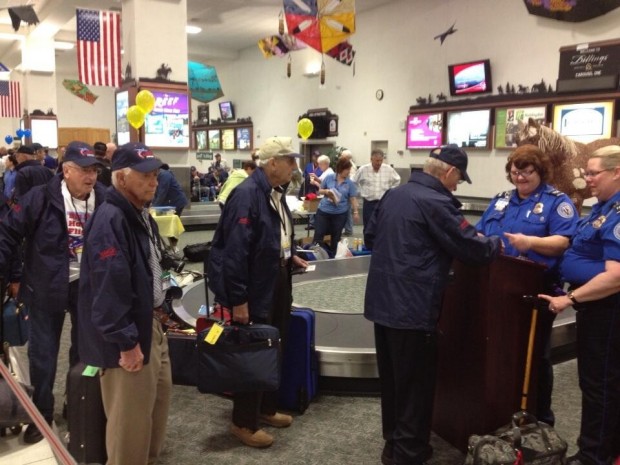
535,221
214,181
198,183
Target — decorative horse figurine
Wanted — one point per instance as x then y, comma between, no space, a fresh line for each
569,158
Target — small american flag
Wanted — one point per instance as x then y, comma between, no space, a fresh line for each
99,47
10,101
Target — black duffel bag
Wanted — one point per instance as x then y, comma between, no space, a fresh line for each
245,358
197,252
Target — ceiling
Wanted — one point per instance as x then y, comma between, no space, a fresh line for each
227,26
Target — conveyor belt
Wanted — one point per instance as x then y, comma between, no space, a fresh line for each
344,338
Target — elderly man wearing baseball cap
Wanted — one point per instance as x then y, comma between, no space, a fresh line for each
50,218
29,172
249,270
120,309
415,232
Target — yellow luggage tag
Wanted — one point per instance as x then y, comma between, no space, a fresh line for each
214,333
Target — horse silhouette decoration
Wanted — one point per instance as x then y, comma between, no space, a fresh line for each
569,158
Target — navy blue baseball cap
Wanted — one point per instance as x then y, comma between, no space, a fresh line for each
136,156
81,154
453,155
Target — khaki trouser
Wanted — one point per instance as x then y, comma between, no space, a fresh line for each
136,405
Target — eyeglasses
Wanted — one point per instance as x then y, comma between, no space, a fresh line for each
593,174
458,171
524,173
87,169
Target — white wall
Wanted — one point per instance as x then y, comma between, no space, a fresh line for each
395,52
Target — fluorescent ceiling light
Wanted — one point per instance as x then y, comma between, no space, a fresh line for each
193,29
59,45
11,36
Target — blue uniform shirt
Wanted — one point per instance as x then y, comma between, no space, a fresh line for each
546,212
347,189
596,240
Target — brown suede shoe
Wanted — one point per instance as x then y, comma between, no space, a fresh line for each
279,420
258,438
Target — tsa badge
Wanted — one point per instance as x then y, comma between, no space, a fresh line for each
538,208
565,210
597,223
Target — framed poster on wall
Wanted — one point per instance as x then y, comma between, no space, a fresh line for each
201,140
507,123
228,139
214,139
244,138
585,122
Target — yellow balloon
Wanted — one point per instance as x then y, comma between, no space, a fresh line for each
145,100
136,116
305,128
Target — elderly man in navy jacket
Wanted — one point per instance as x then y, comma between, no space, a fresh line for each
121,297
250,271
415,232
51,218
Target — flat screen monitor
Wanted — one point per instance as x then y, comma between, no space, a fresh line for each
469,129
507,123
584,122
122,125
424,130
227,111
168,124
473,77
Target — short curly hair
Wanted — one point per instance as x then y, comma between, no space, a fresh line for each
527,155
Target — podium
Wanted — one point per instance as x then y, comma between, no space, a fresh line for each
483,338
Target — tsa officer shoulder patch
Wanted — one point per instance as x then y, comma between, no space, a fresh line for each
565,210
617,231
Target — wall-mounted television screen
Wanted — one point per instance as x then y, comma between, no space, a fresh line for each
585,122
507,123
473,77
469,129
424,130
168,124
227,111
122,125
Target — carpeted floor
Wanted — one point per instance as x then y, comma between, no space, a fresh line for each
335,430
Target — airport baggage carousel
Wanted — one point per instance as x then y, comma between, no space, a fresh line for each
344,338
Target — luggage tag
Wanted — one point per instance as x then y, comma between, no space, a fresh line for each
90,371
214,333
166,279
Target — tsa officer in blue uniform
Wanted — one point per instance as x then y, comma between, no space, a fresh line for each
535,222
592,267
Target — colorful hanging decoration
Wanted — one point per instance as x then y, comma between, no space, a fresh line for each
80,90
279,46
204,84
343,52
570,10
321,24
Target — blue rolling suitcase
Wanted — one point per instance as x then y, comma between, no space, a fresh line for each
300,371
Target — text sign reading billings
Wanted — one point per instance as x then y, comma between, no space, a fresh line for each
589,60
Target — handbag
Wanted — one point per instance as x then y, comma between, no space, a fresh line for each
524,440
15,323
197,252
245,358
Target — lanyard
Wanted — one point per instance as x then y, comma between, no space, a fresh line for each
278,208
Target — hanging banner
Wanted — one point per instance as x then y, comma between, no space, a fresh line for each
570,10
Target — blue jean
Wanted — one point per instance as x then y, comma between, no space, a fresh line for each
43,346
332,224
367,210
348,226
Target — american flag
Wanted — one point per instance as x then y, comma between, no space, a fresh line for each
99,47
10,99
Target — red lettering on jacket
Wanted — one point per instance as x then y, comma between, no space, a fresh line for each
16,207
464,224
244,220
107,253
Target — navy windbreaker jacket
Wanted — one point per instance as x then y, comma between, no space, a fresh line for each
415,233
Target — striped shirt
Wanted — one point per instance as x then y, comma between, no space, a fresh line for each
373,184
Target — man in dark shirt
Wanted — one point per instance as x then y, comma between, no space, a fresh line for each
30,172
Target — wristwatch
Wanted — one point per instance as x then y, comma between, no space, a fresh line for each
572,298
